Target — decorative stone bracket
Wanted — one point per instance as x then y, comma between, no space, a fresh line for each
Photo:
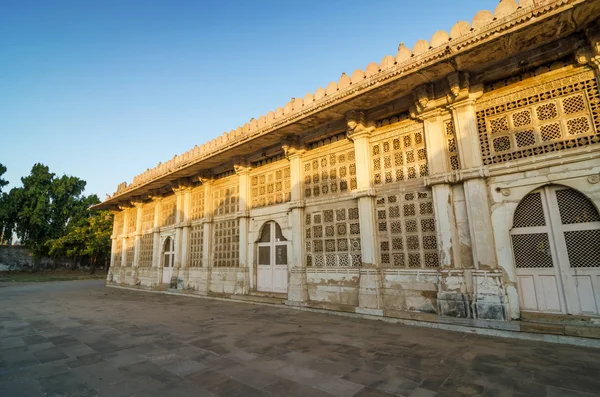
358,125
372,192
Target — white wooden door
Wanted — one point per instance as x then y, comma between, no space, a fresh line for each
556,245
168,259
272,272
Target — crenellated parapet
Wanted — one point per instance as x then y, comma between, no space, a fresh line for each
508,16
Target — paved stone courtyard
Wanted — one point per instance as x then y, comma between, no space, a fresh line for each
81,339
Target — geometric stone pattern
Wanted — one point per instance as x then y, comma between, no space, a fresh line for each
401,157
146,249
330,174
80,339
226,243
406,230
226,199
147,216
197,208
196,246
548,117
451,145
270,188
130,251
333,237
168,209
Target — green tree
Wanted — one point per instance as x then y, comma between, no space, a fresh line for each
45,207
7,210
89,238
3,182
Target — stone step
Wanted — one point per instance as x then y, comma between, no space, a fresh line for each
258,299
554,318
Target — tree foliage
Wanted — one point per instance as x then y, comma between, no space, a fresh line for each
3,182
6,210
52,216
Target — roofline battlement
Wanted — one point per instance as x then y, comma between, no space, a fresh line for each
486,25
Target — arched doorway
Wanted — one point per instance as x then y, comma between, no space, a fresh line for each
168,259
272,269
556,246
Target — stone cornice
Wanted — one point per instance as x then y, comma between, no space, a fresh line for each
486,26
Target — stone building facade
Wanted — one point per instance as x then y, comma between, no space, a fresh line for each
456,180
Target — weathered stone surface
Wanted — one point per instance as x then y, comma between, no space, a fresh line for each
145,344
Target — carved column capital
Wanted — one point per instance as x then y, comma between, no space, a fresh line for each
123,206
292,147
357,125
241,166
205,178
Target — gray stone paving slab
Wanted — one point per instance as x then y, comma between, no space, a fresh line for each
82,339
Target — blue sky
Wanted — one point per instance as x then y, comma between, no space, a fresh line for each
103,90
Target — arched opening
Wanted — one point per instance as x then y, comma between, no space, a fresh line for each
556,247
168,259
272,259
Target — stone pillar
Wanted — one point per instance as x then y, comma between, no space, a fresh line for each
113,253
297,285
489,298
439,179
178,226
124,238
473,174
138,234
186,227
371,283
592,55
453,295
243,278
137,242
207,224
156,248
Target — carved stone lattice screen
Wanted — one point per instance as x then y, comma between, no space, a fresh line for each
131,220
196,246
226,199
399,155
333,237
118,254
226,243
551,116
197,208
406,230
451,145
146,248
167,211
147,217
130,252
330,174
118,223
271,187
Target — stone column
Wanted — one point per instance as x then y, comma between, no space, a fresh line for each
489,297
243,278
156,248
137,242
182,230
439,179
473,174
297,285
113,249
371,279
207,224
592,55
186,227
124,238
138,233
453,295
178,226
